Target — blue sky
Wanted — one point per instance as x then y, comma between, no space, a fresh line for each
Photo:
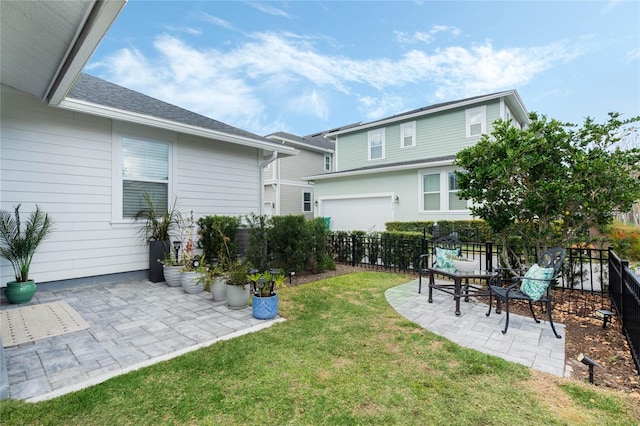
305,66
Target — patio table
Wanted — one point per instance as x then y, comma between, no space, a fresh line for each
457,289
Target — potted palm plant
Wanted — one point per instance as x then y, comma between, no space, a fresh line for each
265,299
18,244
158,224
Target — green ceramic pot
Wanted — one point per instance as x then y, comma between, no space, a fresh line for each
20,292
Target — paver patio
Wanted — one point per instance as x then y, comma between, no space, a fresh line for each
139,323
132,325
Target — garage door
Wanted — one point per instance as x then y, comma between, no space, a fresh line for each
365,214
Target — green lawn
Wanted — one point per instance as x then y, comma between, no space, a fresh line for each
344,357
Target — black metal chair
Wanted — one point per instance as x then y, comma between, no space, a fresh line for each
449,242
551,258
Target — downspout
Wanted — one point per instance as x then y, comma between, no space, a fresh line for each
261,167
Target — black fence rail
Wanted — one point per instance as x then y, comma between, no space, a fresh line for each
585,270
592,278
624,287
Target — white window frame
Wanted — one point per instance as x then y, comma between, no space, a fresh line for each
452,191
310,201
408,130
125,130
327,162
423,192
470,114
507,114
370,137
444,191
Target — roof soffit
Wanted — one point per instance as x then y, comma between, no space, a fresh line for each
45,44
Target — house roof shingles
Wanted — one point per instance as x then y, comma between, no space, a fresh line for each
95,90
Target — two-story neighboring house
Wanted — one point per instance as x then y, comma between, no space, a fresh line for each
284,192
400,168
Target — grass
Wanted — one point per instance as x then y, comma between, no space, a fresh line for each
344,357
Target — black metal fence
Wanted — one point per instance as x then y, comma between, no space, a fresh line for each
624,287
585,270
592,278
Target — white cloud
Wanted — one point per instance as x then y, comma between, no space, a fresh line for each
219,22
611,4
238,85
270,10
424,37
311,103
379,107
632,55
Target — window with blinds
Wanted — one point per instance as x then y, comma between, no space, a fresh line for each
306,201
408,134
376,144
431,191
476,121
455,202
145,169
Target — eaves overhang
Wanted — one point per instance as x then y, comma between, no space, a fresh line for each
414,165
45,44
147,120
301,145
89,35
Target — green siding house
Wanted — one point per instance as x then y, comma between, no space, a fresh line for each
400,168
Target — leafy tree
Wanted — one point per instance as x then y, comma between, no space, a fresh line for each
544,185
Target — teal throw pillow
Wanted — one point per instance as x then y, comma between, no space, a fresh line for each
443,257
535,288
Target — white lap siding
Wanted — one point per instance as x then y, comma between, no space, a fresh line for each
62,161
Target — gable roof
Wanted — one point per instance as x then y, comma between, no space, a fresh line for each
95,96
512,97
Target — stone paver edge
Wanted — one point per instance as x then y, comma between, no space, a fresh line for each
102,378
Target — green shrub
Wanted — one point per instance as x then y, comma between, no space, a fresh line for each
319,260
209,228
257,253
290,243
400,249
417,226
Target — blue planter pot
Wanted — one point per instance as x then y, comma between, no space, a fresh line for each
265,307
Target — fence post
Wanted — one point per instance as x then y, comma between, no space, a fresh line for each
423,242
353,249
489,253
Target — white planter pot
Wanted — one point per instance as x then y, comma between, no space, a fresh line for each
172,275
219,290
237,296
189,281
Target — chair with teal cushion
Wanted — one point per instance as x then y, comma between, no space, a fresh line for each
534,286
443,249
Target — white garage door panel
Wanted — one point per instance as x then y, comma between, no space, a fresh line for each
366,214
